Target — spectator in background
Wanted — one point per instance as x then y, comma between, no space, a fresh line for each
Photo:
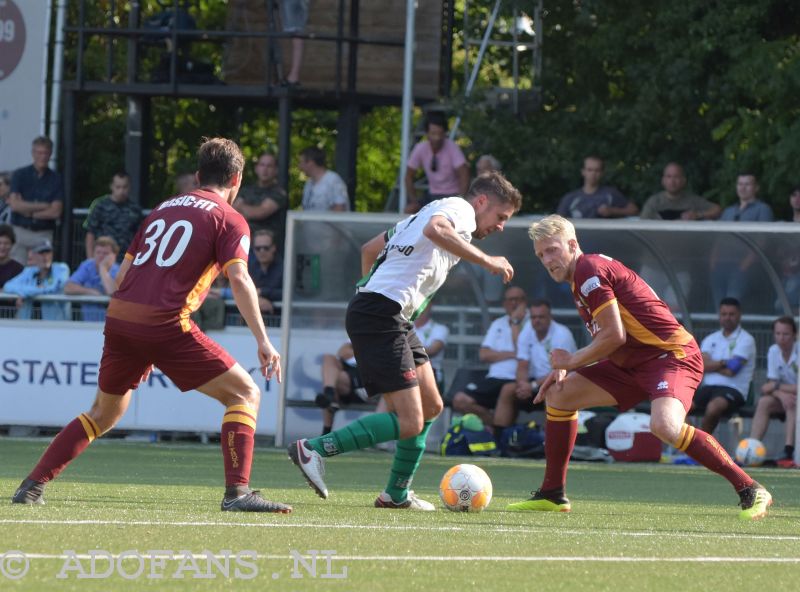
444,164
42,277
9,267
95,277
186,183
749,208
487,163
294,17
675,203
536,340
36,200
433,337
211,314
499,350
113,215
593,200
794,203
264,204
267,272
341,385
324,189
5,193
779,393
729,357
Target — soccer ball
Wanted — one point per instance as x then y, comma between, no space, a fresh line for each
465,488
750,452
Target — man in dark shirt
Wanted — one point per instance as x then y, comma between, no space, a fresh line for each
267,272
9,267
113,215
264,204
36,200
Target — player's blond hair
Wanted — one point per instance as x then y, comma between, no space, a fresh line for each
550,226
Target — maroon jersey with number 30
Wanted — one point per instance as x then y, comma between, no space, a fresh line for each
175,256
651,328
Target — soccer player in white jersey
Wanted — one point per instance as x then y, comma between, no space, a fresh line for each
403,268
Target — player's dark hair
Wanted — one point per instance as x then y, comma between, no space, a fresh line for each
496,186
436,118
729,301
218,160
314,154
782,320
43,141
541,302
8,231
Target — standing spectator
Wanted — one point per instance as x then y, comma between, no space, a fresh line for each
95,277
113,215
9,267
536,340
444,164
749,208
324,189
264,204
729,359
593,200
675,203
794,202
779,393
267,272
5,193
294,17
42,277
36,200
499,350
488,163
186,183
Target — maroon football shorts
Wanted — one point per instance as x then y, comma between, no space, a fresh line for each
188,359
665,376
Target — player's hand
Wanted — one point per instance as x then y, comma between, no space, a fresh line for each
270,361
523,390
603,211
500,266
554,380
560,359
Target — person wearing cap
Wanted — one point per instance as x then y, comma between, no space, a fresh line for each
43,277
36,200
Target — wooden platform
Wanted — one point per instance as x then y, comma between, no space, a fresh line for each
380,68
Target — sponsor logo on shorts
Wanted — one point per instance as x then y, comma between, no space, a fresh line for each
410,375
591,284
662,386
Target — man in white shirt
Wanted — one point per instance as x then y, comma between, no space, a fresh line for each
324,190
499,350
403,268
729,356
539,337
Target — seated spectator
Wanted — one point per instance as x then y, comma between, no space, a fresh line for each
96,277
211,314
486,164
341,384
729,356
444,164
794,203
499,350
779,393
9,267
264,204
267,272
536,340
749,208
113,215
42,277
324,189
5,193
593,200
675,203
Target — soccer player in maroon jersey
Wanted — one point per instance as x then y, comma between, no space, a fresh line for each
174,258
639,351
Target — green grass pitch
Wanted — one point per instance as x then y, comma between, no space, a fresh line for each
632,527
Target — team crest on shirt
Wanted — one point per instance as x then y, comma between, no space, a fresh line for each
245,243
591,284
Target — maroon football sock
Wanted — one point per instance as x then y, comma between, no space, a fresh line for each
705,449
238,438
561,430
67,444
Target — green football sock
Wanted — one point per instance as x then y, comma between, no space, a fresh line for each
362,433
407,456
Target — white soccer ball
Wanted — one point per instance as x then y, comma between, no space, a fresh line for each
465,488
750,452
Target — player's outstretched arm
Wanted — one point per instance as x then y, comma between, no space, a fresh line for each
439,230
246,298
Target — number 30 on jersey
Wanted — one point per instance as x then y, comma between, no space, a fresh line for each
156,239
